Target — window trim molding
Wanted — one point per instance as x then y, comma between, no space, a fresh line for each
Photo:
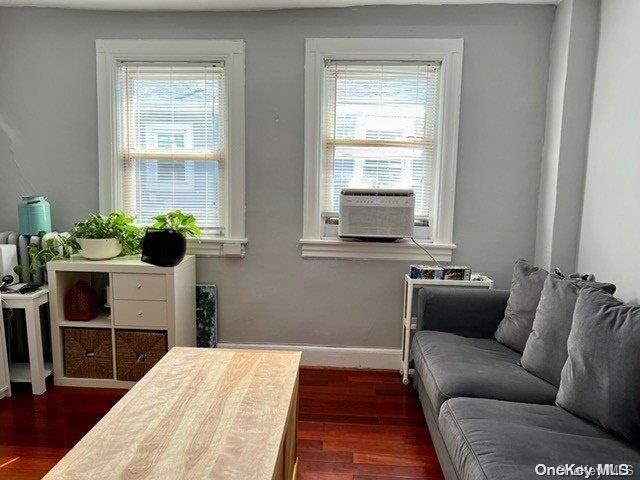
356,250
231,52
317,51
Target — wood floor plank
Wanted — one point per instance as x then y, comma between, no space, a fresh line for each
354,469
399,459
353,425
389,447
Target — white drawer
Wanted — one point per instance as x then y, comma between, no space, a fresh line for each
139,286
140,313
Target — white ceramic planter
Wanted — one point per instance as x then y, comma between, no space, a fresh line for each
99,248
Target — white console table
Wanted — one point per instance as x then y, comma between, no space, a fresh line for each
409,322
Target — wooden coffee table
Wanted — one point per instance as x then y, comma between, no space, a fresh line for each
199,413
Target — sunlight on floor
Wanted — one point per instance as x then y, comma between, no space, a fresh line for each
9,461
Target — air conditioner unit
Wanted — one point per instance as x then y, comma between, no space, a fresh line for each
376,213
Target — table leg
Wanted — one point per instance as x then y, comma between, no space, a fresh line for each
404,315
34,340
407,335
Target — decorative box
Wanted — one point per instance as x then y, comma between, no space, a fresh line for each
87,353
457,273
137,351
426,272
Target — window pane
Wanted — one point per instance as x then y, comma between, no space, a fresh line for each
173,106
380,102
393,167
192,186
170,140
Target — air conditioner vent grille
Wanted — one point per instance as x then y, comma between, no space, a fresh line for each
376,213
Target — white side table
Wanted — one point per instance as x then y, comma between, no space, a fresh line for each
36,372
409,322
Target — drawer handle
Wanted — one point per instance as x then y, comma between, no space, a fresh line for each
139,314
139,286
140,357
89,354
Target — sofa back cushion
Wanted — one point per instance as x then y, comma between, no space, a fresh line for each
545,352
526,287
601,379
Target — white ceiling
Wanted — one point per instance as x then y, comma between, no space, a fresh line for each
218,5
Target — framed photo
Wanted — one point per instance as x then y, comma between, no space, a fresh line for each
206,315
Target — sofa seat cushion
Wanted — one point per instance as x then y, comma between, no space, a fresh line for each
452,366
493,439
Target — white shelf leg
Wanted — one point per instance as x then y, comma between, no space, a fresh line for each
404,315
34,341
406,344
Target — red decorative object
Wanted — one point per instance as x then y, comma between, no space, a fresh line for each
81,302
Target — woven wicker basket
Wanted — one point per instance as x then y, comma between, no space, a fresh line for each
87,353
137,351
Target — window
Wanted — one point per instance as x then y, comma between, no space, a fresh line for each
381,113
174,135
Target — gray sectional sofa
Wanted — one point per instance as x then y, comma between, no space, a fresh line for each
488,417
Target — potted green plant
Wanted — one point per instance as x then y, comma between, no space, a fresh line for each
164,243
101,237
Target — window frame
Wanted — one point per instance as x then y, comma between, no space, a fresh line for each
108,54
317,52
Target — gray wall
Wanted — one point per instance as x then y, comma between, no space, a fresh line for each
48,126
610,228
569,93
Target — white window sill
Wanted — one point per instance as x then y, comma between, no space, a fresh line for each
217,247
404,250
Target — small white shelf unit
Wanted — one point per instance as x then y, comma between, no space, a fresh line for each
409,321
21,372
36,371
141,297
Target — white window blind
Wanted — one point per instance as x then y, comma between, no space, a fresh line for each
380,128
172,141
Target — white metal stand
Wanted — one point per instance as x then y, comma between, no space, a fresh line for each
409,321
37,371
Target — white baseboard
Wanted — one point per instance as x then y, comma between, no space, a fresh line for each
321,356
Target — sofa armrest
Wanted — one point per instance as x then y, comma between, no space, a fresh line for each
469,312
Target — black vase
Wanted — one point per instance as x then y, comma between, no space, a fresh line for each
164,248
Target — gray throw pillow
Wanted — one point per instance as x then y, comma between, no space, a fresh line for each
601,379
546,350
526,287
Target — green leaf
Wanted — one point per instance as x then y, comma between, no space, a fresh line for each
179,221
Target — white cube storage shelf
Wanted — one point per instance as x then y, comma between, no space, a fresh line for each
142,297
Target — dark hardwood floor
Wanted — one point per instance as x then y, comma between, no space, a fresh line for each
353,425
